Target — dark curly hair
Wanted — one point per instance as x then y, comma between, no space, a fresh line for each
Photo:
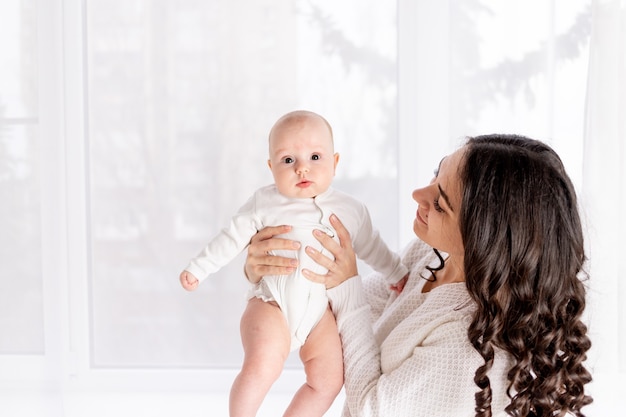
524,259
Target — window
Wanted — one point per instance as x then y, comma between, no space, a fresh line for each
180,98
21,286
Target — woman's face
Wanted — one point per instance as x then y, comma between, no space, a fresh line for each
437,218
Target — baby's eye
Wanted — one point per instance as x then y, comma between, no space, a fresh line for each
315,157
288,160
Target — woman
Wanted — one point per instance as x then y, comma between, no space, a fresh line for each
489,320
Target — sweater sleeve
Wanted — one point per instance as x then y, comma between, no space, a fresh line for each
376,284
377,293
435,378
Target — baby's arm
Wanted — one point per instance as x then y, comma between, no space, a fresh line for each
223,247
372,249
188,281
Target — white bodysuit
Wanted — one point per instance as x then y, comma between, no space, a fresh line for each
303,302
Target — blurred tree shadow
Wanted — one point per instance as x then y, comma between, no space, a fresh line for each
484,85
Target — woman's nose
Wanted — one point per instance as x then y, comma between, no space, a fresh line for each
420,195
416,194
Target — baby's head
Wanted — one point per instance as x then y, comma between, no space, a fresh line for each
302,157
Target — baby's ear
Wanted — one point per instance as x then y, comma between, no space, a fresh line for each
269,163
336,159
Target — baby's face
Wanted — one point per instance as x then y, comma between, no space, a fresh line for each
302,158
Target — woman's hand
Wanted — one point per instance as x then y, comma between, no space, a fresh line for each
260,263
344,265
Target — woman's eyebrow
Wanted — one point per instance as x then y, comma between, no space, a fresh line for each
445,197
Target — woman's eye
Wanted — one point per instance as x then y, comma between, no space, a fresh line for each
437,206
315,157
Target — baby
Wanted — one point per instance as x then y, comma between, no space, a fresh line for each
288,312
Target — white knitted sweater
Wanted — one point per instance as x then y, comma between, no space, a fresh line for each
409,355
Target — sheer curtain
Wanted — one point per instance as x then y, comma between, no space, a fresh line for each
604,200
20,178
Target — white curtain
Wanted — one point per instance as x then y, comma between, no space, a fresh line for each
604,200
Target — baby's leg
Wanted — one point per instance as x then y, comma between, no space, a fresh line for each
266,342
321,355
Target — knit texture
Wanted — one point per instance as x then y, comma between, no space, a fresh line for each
409,354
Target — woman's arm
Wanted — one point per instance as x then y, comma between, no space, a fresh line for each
420,372
426,365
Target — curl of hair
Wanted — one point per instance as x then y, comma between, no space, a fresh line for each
524,259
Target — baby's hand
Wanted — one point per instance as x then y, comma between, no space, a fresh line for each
188,281
399,286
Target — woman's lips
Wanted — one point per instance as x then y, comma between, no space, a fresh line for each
419,217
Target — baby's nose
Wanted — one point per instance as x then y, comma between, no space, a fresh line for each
302,168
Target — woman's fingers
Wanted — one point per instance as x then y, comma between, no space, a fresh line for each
320,258
343,266
265,240
342,232
260,262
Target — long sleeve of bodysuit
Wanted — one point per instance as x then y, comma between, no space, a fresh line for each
228,243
